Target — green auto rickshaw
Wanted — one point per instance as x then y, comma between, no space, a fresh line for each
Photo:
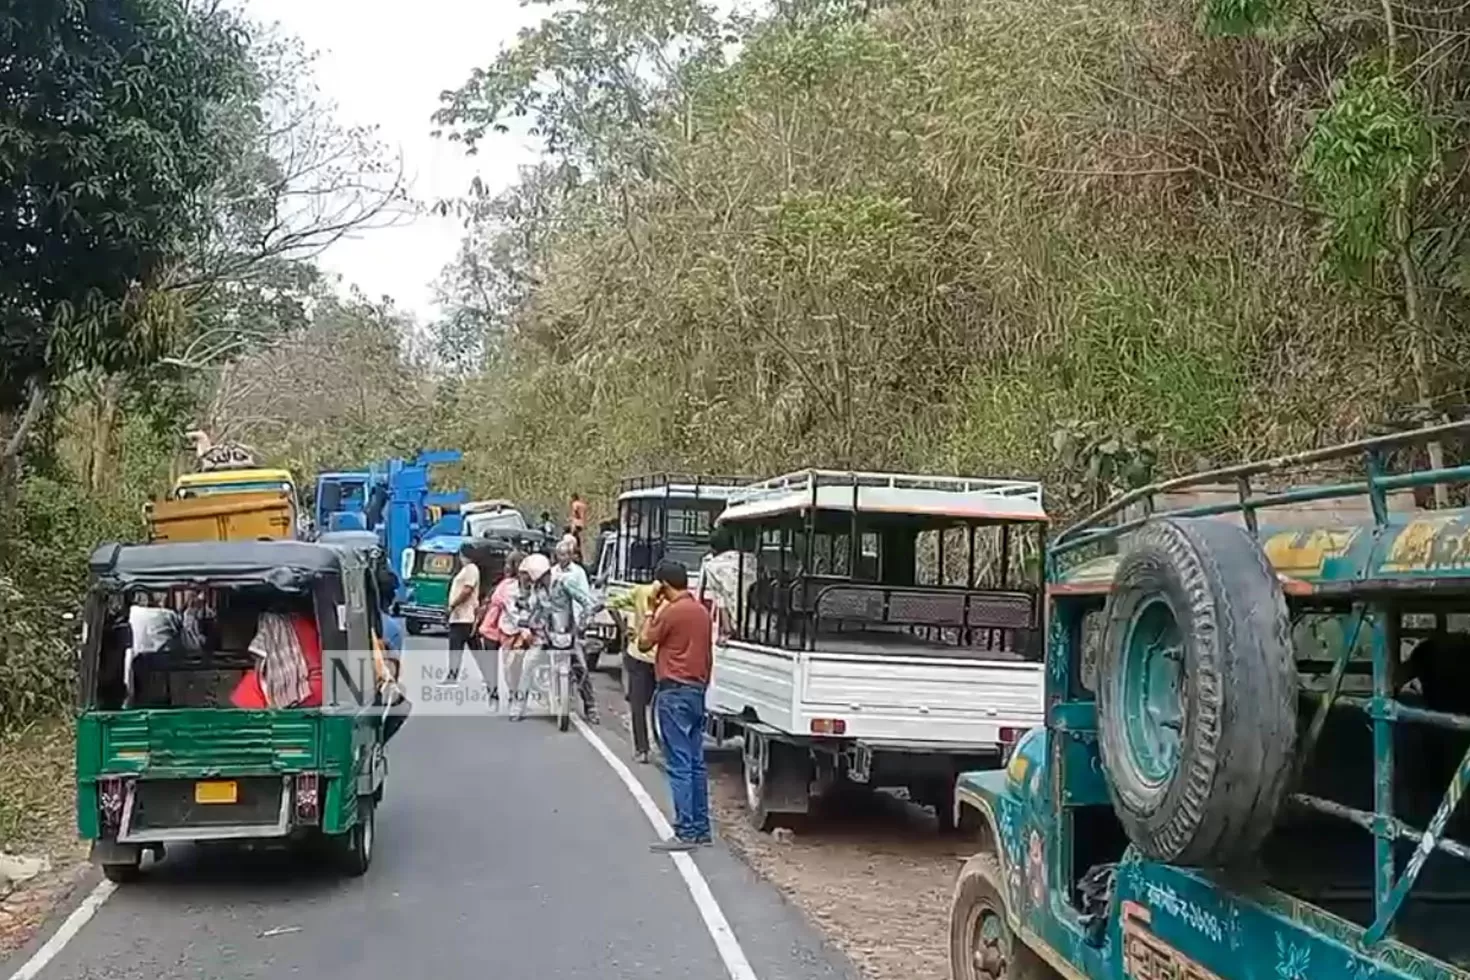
232,691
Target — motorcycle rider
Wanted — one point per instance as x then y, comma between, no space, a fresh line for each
546,604
569,570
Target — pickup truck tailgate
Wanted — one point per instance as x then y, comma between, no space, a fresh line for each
920,699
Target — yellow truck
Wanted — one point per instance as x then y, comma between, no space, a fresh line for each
212,482
223,517
226,505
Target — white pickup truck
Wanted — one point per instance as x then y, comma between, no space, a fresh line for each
884,630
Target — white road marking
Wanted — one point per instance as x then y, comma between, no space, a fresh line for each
68,931
714,919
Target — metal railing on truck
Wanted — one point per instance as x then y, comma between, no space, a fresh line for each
1364,589
665,480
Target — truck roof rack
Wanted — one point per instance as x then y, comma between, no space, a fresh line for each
688,483
961,497
1114,520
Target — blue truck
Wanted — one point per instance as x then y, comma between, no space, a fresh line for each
393,499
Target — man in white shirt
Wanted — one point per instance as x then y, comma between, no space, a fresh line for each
723,575
568,575
152,628
464,600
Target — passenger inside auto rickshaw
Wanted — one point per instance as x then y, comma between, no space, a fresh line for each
268,650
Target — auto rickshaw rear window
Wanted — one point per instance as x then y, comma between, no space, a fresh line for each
433,563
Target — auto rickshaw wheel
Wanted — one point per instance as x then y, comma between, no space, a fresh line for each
357,843
981,943
1196,694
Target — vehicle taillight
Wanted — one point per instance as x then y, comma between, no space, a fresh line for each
828,726
308,797
111,794
1011,735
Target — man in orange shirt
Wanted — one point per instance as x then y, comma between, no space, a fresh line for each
680,630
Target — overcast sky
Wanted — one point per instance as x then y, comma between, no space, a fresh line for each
385,63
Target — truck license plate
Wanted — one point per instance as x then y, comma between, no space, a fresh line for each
216,792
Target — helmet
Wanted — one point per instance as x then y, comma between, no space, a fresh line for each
536,566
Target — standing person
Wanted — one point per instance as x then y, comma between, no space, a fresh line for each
548,526
725,572
495,622
570,587
637,602
577,519
680,630
464,600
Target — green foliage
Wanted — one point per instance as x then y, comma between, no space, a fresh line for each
106,143
1245,17
587,78
49,528
912,240
1367,146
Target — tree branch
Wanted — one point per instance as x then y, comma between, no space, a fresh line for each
32,413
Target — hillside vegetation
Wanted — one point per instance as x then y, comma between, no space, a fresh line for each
1090,242
1065,238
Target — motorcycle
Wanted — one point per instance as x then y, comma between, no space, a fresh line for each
560,647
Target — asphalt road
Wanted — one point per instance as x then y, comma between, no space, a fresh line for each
504,850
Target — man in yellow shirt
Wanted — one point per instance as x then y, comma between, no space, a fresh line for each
635,606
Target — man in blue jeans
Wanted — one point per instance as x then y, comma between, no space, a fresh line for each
680,630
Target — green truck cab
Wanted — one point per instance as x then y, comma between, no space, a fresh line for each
492,527
164,755
1255,743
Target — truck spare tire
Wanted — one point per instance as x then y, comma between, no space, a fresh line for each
1196,692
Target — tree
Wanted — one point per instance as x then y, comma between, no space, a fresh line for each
109,116
592,79
336,391
297,182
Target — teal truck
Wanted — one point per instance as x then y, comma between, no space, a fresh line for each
1257,721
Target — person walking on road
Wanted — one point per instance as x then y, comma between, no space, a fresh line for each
637,604
681,632
464,601
497,632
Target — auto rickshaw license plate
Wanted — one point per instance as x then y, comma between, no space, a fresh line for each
216,792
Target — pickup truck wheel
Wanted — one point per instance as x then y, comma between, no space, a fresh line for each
981,944
1197,693
759,780
756,811
940,796
123,872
